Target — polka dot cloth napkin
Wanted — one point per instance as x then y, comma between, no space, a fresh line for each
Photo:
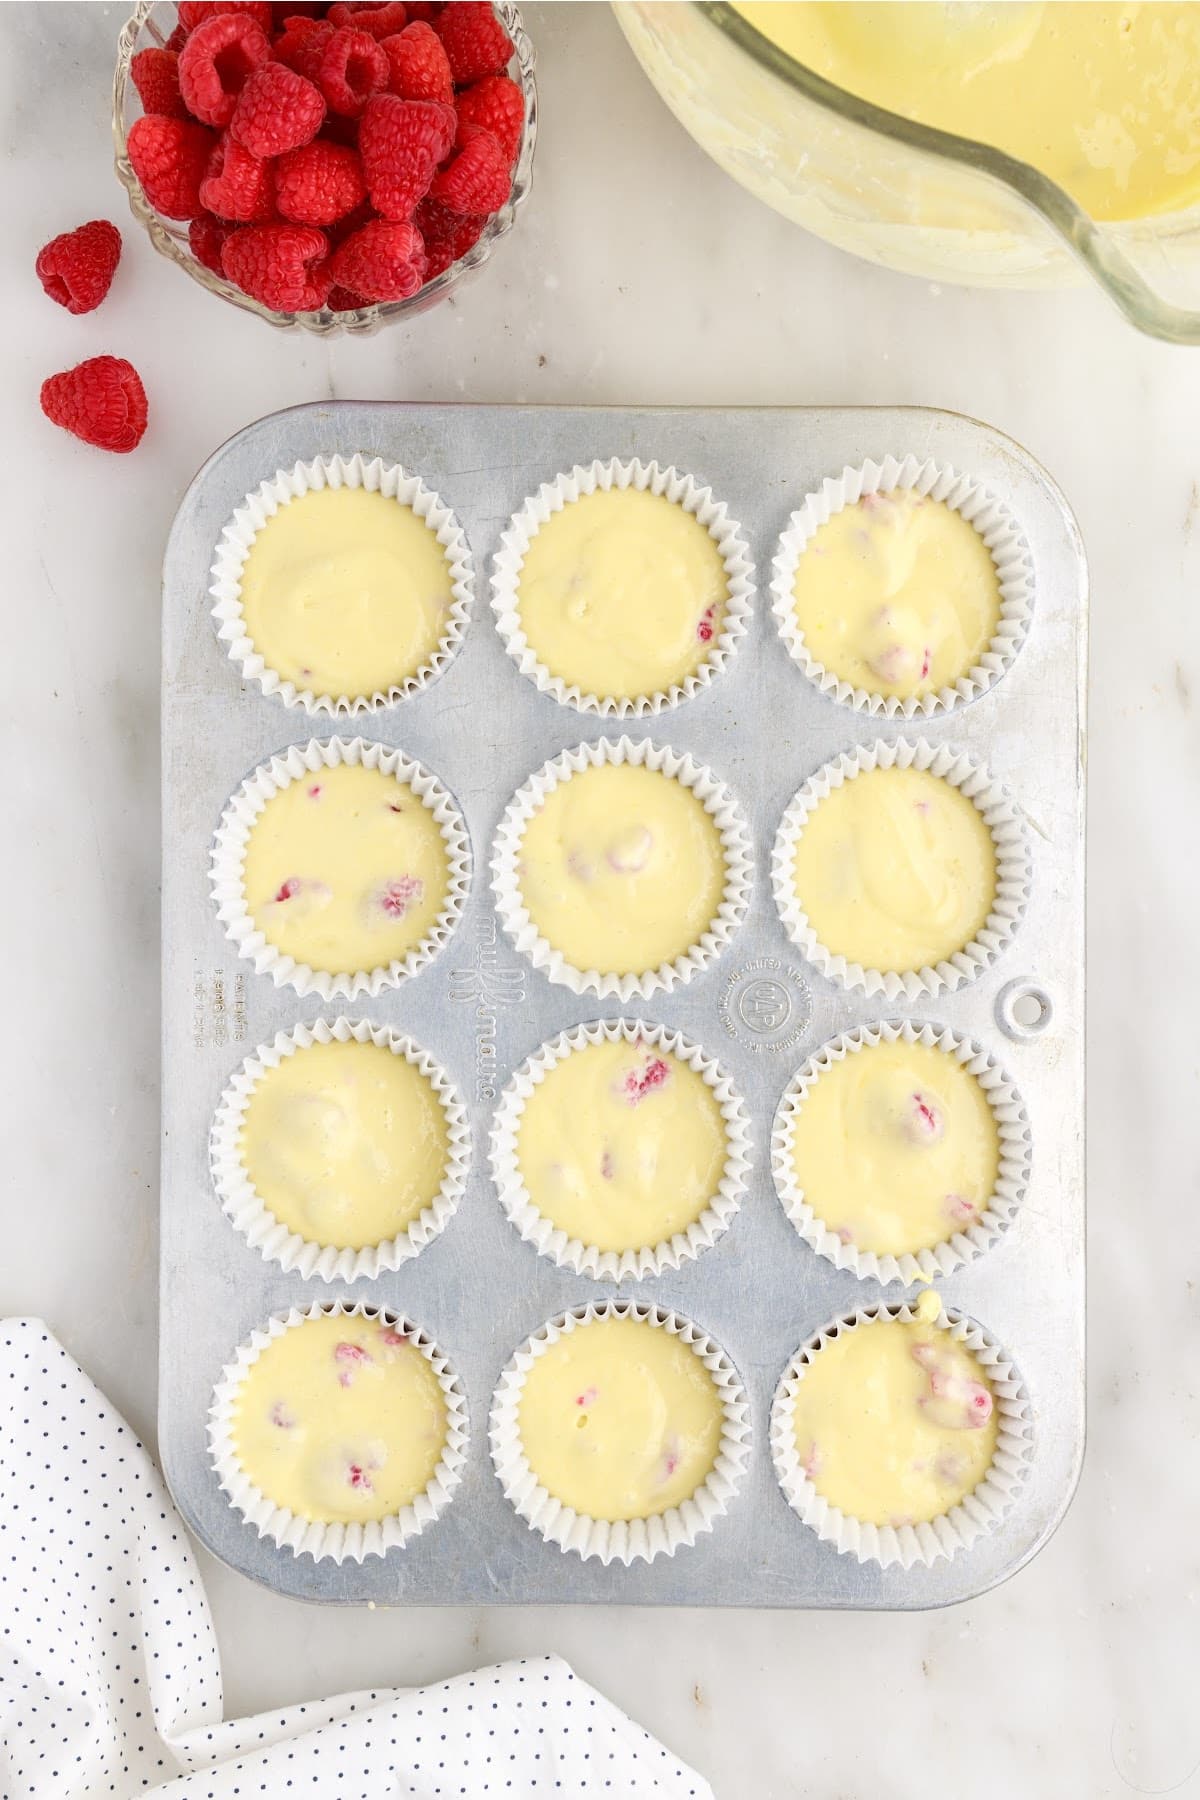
109,1677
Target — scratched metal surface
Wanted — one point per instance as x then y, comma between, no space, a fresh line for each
480,1290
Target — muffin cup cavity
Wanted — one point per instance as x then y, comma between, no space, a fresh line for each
571,1252
246,1210
960,1247
682,490
909,1545
1000,532
721,807
286,485
1013,869
310,1537
627,1540
229,849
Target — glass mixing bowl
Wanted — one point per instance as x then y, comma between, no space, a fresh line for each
914,198
152,23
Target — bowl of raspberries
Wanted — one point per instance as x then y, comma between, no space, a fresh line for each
329,167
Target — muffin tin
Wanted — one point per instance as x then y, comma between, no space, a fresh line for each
479,1007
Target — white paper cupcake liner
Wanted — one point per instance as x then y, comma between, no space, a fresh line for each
259,1226
627,1540
1012,1125
952,1531
650,1259
991,519
308,1537
229,849
718,802
288,484
683,491
1013,869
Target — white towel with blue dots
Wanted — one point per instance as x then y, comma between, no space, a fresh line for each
110,1682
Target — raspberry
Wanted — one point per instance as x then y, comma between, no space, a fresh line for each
477,180
401,143
101,400
342,300
277,111
177,39
418,66
169,158
498,105
206,235
448,235
376,21
284,266
353,67
382,262
422,12
319,183
303,45
238,186
215,62
77,268
155,75
475,42
195,12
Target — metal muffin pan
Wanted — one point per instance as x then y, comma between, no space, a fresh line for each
481,1009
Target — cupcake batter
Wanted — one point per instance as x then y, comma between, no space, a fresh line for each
896,869
897,595
895,1422
621,1145
340,1420
345,592
623,593
620,1419
345,1143
621,869
345,869
895,1148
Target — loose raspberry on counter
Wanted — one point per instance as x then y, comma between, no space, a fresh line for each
237,186
477,180
448,235
319,184
101,401
378,21
498,105
77,267
195,12
419,70
283,266
155,75
215,63
475,42
277,111
353,67
169,158
401,143
206,236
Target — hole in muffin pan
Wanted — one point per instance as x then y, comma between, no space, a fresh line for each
1023,1010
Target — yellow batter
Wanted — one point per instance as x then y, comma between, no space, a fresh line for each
897,595
340,1420
895,1422
621,869
896,869
345,869
622,592
1103,99
344,1143
895,1148
621,1145
620,1419
345,592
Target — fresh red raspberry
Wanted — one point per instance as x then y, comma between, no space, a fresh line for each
302,46
381,262
475,42
177,39
169,158
101,400
401,143
206,235
341,229
477,179
284,266
77,268
238,186
215,62
353,67
418,66
498,105
319,184
155,75
277,111
377,21
448,235
196,12
423,12
340,299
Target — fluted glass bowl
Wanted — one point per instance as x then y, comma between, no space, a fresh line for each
151,24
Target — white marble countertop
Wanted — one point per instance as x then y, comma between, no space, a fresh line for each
1076,1679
